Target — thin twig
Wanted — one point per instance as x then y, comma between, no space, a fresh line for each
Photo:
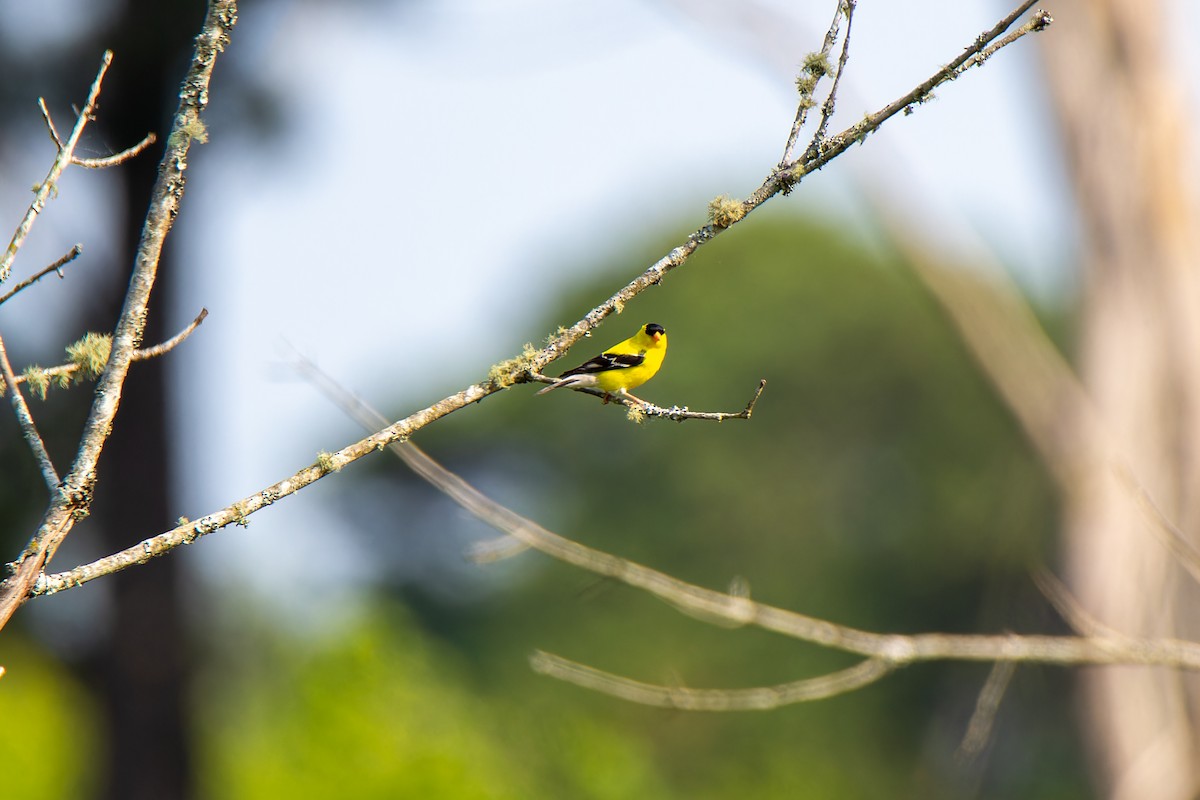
680,413
677,413
61,161
57,266
808,85
28,427
50,123
170,344
117,158
761,698
987,705
831,101
1070,609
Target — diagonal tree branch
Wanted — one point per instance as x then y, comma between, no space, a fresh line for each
116,158
57,266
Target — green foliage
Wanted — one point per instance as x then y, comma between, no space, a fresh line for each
48,745
379,710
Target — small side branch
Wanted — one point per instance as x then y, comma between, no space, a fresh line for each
763,698
810,77
50,123
678,413
831,102
116,158
987,705
57,266
170,344
66,152
28,427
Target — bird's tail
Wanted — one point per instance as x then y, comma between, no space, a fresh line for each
558,384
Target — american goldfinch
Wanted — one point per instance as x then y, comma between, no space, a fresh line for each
621,367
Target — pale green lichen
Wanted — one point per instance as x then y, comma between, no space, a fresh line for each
507,372
817,65
724,211
37,379
90,354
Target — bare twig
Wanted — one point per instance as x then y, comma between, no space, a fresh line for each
831,101
987,705
810,77
50,123
57,266
170,344
761,698
74,498
28,428
677,413
1070,609
61,161
116,158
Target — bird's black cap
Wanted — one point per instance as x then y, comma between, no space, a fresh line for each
654,328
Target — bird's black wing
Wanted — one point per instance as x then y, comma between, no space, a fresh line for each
606,362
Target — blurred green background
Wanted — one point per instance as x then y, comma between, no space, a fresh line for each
880,484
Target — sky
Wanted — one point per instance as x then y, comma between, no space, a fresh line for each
443,171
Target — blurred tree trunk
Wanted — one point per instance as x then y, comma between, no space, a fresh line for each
142,671
1122,112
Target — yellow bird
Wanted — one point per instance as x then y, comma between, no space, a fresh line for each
621,367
